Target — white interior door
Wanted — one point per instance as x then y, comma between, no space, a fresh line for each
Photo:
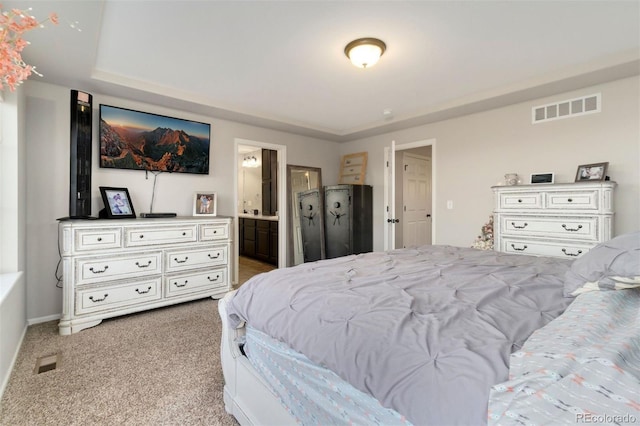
416,211
390,182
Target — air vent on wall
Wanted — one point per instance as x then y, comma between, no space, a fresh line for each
565,109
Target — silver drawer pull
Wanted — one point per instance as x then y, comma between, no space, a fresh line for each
181,261
99,271
518,226
181,285
572,254
214,279
98,300
143,266
571,229
143,291
523,248
213,257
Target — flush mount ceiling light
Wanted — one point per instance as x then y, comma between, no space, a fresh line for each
365,52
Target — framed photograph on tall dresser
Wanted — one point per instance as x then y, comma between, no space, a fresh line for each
592,172
541,178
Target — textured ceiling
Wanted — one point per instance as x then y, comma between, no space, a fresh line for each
280,64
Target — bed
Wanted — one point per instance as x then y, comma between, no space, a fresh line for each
418,336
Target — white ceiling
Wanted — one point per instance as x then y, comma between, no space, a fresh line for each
281,64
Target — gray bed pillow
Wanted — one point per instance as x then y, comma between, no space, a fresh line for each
612,265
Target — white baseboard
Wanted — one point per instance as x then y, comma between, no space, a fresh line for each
5,382
48,318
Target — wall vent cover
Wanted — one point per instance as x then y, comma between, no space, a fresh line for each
564,109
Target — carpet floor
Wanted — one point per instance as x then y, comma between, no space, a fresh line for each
159,367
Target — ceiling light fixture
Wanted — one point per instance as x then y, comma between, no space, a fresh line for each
365,52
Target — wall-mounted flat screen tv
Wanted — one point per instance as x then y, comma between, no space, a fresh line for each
143,141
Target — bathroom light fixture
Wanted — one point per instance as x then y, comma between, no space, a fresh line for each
365,52
250,162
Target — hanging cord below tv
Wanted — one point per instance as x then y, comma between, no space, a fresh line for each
151,214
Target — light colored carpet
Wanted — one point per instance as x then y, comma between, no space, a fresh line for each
160,367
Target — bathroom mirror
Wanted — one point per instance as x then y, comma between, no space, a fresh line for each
299,178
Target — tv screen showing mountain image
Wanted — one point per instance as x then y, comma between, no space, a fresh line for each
143,141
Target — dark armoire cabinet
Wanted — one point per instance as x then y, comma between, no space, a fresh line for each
348,227
336,221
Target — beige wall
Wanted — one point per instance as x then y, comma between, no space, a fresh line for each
473,152
47,188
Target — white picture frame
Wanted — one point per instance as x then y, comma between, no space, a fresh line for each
205,203
545,178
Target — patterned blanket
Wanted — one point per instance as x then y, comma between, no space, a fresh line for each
582,368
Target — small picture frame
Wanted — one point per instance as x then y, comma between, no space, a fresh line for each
205,203
541,178
592,172
117,203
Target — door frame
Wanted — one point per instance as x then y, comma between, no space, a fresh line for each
390,187
282,199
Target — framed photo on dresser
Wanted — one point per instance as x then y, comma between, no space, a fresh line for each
592,172
117,203
205,203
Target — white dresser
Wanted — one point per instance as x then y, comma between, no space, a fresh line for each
559,220
113,267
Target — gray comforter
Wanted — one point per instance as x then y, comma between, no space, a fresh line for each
425,331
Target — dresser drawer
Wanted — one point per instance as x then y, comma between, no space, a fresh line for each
145,236
211,232
177,285
96,299
583,200
178,260
98,269
97,239
520,200
569,250
575,228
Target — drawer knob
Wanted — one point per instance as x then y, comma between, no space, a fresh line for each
523,248
99,239
213,257
98,300
570,200
98,271
181,261
519,226
180,285
143,266
519,200
143,291
571,229
579,252
215,231
184,233
141,236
